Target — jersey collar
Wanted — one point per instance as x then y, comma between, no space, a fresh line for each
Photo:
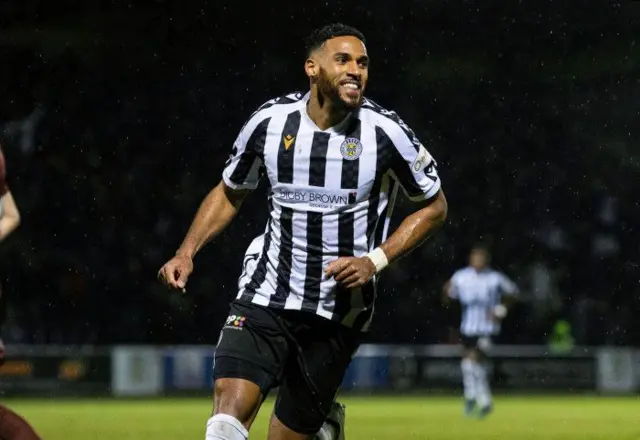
339,128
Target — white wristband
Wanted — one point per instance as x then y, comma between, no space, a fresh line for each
379,259
500,311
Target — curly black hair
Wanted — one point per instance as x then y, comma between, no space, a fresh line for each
319,36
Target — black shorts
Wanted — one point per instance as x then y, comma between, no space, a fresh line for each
482,343
303,354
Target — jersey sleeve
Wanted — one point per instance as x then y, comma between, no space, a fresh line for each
245,165
413,166
454,288
507,287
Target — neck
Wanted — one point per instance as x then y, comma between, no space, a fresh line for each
323,112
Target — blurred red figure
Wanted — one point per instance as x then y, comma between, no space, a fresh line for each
12,426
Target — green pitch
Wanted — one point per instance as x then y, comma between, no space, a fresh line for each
396,418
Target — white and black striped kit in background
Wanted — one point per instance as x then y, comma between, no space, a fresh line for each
479,292
332,193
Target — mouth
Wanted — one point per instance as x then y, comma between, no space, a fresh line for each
352,88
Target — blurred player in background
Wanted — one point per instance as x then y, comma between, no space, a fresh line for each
484,295
334,161
12,426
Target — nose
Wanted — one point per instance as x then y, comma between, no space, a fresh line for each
354,69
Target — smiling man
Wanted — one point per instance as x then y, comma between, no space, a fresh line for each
334,161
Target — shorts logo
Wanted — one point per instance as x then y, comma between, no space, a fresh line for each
351,148
235,322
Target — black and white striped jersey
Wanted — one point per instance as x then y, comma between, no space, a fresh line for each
331,195
479,292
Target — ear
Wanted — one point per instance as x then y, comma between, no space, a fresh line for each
311,68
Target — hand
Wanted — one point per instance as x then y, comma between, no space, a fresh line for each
497,313
351,272
176,271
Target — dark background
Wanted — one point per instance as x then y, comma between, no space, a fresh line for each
116,121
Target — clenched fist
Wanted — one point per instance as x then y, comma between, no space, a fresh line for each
176,271
351,272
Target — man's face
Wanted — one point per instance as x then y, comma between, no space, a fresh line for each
478,259
343,70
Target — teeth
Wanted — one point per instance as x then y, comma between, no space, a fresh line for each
351,86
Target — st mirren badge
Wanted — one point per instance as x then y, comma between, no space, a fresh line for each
351,148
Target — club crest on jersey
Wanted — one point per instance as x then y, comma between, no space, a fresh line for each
351,148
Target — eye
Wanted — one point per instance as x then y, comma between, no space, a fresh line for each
341,58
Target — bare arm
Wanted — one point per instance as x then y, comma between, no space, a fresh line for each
11,216
446,293
416,228
354,272
216,211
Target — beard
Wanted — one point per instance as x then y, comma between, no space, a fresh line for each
331,92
